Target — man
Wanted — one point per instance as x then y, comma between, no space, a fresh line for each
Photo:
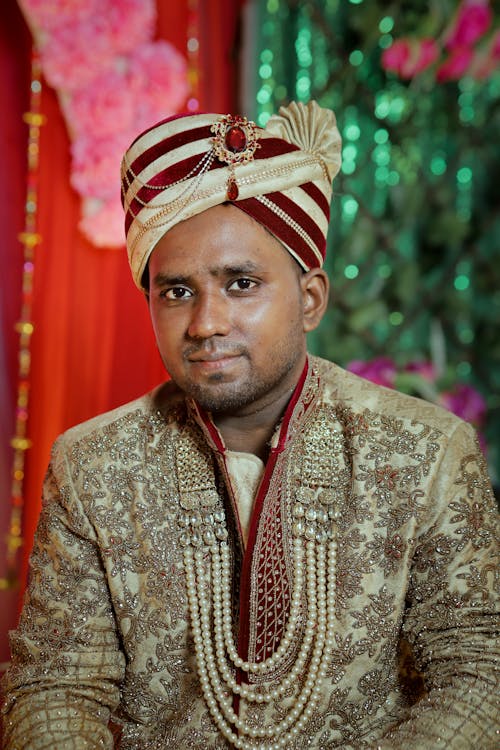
253,555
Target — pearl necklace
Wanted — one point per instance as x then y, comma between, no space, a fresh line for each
217,656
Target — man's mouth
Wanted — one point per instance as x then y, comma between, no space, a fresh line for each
211,357
212,361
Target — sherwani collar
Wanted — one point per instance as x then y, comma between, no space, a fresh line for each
300,402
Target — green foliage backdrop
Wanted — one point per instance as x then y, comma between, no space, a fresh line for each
414,249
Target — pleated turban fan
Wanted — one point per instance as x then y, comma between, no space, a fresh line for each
280,175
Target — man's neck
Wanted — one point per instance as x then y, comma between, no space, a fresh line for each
251,432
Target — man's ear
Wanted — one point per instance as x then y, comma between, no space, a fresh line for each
315,287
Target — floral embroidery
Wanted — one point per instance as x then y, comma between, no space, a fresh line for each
107,603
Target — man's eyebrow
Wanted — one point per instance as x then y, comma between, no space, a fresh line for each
233,270
162,279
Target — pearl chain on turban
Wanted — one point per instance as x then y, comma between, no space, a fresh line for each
280,175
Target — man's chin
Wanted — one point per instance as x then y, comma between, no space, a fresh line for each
222,398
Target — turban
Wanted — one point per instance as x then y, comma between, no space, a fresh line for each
280,175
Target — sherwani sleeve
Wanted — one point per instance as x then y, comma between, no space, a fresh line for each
66,659
451,619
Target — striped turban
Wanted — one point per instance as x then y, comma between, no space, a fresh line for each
280,175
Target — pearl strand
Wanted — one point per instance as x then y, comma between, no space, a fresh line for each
324,590
251,692
209,661
293,617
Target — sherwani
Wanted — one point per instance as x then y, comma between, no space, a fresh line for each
103,656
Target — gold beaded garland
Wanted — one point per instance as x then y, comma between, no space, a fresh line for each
29,239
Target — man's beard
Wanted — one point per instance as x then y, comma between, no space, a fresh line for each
231,397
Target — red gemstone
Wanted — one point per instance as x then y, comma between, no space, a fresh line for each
232,190
236,139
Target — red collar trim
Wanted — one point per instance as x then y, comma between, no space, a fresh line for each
205,421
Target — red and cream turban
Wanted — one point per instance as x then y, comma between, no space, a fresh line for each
280,175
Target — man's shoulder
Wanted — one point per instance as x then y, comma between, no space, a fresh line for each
149,412
345,389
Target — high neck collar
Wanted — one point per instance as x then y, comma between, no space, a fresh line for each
302,396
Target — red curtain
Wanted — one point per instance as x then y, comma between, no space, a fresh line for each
92,347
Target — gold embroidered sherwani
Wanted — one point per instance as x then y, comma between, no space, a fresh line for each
105,630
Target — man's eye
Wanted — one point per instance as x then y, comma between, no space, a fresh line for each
175,292
241,285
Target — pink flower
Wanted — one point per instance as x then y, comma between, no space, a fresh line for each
131,23
380,370
102,108
465,402
102,222
74,53
95,166
495,47
426,370
158,82
487,60
428,54
409,57
395,57
473,19
455,65
113,81
49,15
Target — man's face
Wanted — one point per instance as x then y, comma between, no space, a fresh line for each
227,310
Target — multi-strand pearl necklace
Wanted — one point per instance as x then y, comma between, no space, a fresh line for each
217,657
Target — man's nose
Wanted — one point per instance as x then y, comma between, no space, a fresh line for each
210,316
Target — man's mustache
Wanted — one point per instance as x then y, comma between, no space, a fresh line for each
211,351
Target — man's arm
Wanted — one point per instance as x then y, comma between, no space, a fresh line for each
452,619
66,661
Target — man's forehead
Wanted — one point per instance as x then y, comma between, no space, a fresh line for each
220,229
221,242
